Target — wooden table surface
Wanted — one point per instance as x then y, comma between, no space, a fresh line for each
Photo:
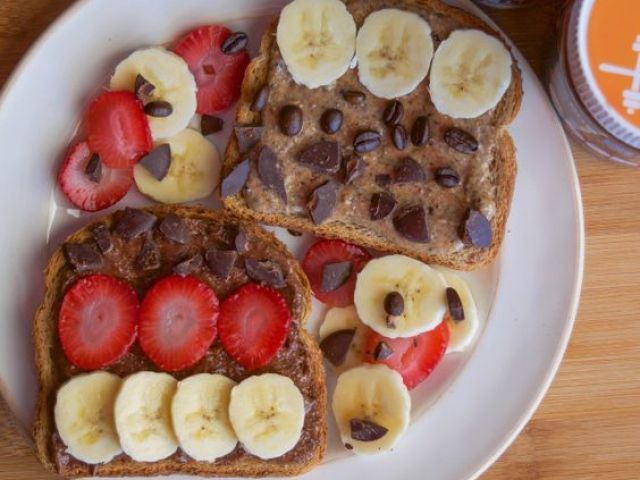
588,426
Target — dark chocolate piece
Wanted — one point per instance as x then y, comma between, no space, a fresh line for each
354,168
221,262
266,272
236,180
133,223
188,266
322,201
149,256
336,346
366,431
411,223
407,170
158,161
456,310
241,242
476,230
248,136
382,204
394,304
270,173
382,351
83,256
174,228
102,237
210,124
322,157
143,89
334,275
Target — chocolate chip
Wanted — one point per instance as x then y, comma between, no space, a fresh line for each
241,242
266,272
220,262
393,113
322,201
354,168
366,431
331,120
322,157
143,88
461,141
248,136
174,228
83,256
476,230
382,351
399,137
411,223
394,303
456,310
93,170
158,109
235,181
382,204
354,97
234,43
334,275
447,177
102,237
290,120
158,161
366,141
149,256
133,223
420,131
260,99
408,170
294,233
383,180
348,446
336,346
210,124
188,266
270,173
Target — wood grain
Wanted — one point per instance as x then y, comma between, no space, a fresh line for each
588,426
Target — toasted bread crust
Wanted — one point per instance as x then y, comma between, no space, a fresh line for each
44,336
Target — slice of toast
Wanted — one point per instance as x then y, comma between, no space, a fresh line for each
487,177
300,357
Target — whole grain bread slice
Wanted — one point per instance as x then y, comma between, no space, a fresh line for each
50,378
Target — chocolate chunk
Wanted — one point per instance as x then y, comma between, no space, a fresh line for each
93,170
210,124
366,431
241,242
348,446
174,228
290,120
234,43
158,109
408,170
420,131
411,223
266,272
447,177
331,120
334,275
461,141
382,351
102,237
237,178
456,310
270,173
383,180
158,161
476,230
394,303
294,233
382,204
399,137
248,136
221,262
336,346
188,266
322,157
143,88
393,113
260,99
149,256
322,201
133,223
354,168
83,256
367,141
354,97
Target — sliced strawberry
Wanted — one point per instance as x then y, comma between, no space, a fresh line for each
85,193
118,129
97,321
218,76
254,323
178,322
326,252
413,357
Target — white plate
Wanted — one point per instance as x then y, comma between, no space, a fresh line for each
477,402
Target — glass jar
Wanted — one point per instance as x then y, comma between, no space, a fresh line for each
594,76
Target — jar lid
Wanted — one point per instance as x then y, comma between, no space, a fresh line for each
603,54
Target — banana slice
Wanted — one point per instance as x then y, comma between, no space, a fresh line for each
422,292
394,49
143,416
337,319
267,414
317,40
84,417
200,416
193,173
471,71
172,82
373,397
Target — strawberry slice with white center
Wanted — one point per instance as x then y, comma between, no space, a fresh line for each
254,323
96,189
97,321
218,75
118,129
178,322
